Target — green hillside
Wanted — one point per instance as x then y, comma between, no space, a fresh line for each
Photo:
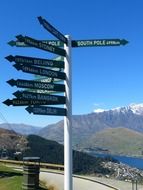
48,151
53,152
11,179
120,141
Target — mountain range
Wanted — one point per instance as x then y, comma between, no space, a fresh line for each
20,128
86,128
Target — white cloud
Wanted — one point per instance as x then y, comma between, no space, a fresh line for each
99,110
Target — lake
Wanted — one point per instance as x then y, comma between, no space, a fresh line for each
131,161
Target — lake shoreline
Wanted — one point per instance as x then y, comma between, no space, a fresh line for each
136,162
112,155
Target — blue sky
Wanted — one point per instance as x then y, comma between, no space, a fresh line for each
103,77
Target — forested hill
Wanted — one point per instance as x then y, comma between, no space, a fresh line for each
53,152
48,151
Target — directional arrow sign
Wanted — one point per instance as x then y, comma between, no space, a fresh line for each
35,61
43,91
24,102
51,99
52,30
38,44
47,80
76,43
40,71
37,85
43,110
56,43
99,42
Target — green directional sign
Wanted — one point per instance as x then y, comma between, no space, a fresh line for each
98,42
44,79
59,58
37,85
24,102
44,110
36,61
40,71
52,29
77,43
43,91
17,43
38,44
51,99
47,79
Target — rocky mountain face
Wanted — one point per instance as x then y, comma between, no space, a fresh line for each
84,126
11,141
20,128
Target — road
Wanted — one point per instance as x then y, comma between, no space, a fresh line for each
55,181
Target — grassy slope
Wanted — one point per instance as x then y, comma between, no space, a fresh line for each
11,183
11,179
117,141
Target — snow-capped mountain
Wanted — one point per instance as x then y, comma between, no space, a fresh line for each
135,108
84,126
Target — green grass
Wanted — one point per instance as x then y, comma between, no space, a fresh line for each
11,183
11,179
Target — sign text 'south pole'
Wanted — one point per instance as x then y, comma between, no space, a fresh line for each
68,185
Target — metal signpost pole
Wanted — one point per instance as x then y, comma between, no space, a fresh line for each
68,119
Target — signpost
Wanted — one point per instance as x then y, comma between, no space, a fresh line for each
37,85
43,110
45,79
35,61
17,43
52,30
51,99
68,184
40,71
24,102
98,42
77,43
38,44
35,100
